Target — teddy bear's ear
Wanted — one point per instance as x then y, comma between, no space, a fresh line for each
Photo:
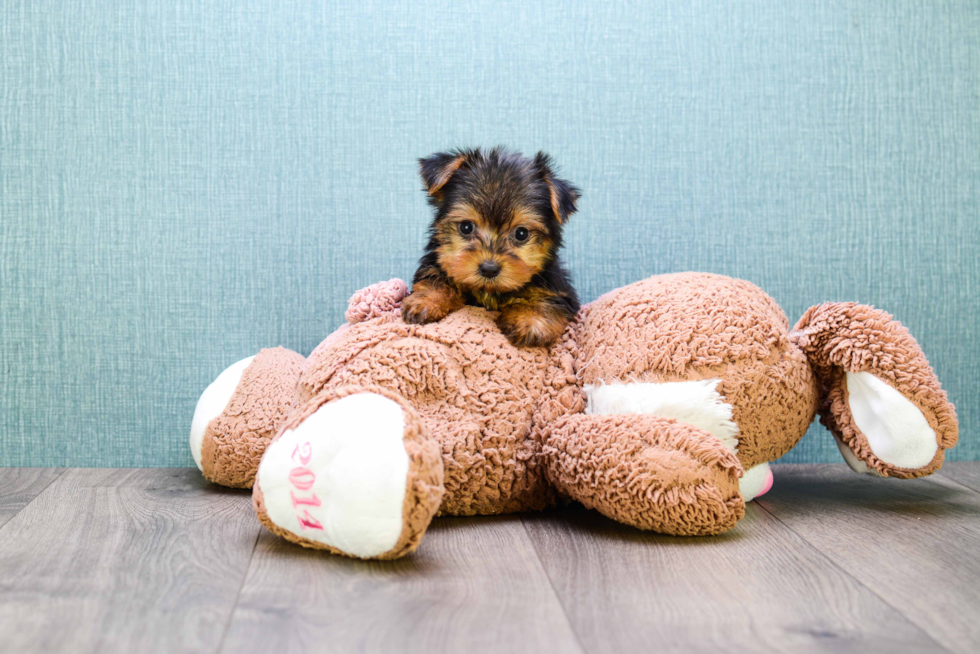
564,196
437,169
881,399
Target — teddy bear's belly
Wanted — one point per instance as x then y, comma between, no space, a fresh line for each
489,468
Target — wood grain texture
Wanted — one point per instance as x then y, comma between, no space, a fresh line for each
963,472
151,563
160,479
914,542
759,588
18,486
144,560
474,585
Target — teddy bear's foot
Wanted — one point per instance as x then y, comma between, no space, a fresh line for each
212,402
756,482
883,402
647,471
353,472
239,413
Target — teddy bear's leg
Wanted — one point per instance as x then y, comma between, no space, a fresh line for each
647,471
240,412
696,403
353,472
880,398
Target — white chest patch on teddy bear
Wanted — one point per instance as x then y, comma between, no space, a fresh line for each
695,403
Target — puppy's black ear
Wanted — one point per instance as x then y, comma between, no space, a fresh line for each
438,168
564,196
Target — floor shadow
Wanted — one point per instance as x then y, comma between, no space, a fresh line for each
579,521
916,498
411,564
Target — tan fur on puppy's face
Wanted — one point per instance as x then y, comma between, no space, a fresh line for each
460,255
495,239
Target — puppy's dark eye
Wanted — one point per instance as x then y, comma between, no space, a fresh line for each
521,234
466,227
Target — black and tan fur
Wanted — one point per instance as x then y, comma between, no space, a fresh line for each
494,243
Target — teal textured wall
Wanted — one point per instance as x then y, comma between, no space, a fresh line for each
182,184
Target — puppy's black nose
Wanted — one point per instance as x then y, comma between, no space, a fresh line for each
489,269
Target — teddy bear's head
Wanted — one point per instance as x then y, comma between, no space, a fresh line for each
705,349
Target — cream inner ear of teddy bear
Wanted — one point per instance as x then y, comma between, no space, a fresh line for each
213,401
696,403
896,430
340,477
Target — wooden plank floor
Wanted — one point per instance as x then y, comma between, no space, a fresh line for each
160,561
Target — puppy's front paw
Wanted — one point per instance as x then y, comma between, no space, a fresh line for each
528,327
422,308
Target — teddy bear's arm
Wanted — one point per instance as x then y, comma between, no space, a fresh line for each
647,471
880,398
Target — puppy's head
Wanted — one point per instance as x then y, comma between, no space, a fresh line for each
499,216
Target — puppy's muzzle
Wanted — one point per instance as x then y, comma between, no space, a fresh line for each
489,269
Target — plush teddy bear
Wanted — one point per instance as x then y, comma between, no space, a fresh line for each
661,407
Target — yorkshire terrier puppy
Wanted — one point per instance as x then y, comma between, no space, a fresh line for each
494,243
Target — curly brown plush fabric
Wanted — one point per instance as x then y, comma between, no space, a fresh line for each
475,391
848,337
235,440
376,300
647,471
693,326
497,429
